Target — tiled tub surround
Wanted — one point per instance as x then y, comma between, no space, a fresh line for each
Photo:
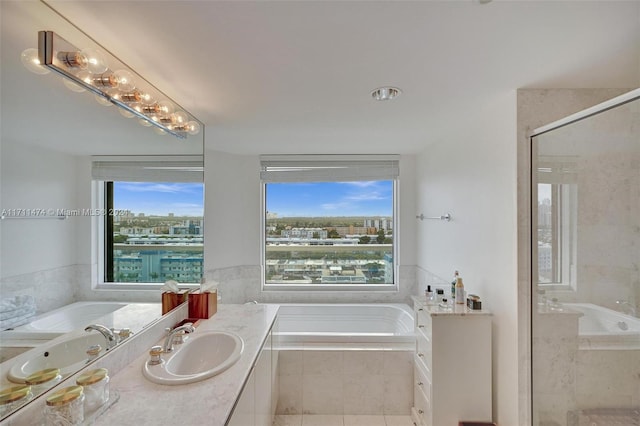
579,378
345,359
345,382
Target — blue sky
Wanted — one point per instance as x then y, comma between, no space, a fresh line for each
330,198
155,198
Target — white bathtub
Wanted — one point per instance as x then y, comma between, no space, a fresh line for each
603,328
345,327
63,320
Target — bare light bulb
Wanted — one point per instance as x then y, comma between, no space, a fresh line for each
165,108
106,80
193,127
125,113
102,100
144,122
95,62
147,98
180,118
72,85
29,58
126,82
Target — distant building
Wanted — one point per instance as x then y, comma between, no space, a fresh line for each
304,233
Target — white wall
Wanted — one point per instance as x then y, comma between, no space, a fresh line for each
472,175
232,210
37,254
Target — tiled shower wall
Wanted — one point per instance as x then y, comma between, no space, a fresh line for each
345,382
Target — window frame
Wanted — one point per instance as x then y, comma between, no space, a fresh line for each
564,214
99,202
338,288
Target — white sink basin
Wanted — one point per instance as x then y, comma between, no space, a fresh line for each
69,356
202,356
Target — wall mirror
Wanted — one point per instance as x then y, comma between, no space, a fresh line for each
50,137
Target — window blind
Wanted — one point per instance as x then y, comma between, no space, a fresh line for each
328,168
134,168
557,170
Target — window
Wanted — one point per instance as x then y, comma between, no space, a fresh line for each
557,222
152,227
329,222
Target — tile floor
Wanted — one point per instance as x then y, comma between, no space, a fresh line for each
346,420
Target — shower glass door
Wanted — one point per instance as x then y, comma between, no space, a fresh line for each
586,269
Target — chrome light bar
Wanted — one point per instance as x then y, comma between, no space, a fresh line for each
113,82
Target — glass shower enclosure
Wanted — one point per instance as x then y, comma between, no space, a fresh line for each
586,267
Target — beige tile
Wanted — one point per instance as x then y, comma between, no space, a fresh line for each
322,394
351,420
398,420
290,398
322,420
290,363
398,395
398,363
322,362
363,394
288,420
363,362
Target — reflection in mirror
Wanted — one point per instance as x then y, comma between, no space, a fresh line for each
58,244
586,275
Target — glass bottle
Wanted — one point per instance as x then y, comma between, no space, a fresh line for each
13,398
96,388
42,380
65,407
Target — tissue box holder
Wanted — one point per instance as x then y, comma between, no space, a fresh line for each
171,300
203,305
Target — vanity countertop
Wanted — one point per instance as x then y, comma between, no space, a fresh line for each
455,310
207,402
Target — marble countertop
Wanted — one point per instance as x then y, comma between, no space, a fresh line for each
456,309
207,402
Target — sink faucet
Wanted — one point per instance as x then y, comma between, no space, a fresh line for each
109,335
626,307
168,342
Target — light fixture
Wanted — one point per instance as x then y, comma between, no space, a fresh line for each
111,81
385,93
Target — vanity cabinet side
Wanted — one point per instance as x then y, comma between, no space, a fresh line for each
253,407
452,367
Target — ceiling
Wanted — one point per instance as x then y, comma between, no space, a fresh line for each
296,76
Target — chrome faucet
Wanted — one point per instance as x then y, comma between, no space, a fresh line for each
626,307
109,335
168,342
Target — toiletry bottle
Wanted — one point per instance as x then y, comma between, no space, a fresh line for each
429,295
453,286
459,291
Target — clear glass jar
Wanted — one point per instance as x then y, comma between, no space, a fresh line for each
96,388
42,380
65,407
13,398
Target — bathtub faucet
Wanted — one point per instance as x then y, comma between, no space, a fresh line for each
626,307
109,335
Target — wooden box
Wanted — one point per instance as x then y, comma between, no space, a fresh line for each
203,305
171,301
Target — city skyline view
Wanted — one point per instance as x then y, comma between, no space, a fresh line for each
160,198
318,199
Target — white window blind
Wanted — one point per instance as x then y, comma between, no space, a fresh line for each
134,168
557,170
328,168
